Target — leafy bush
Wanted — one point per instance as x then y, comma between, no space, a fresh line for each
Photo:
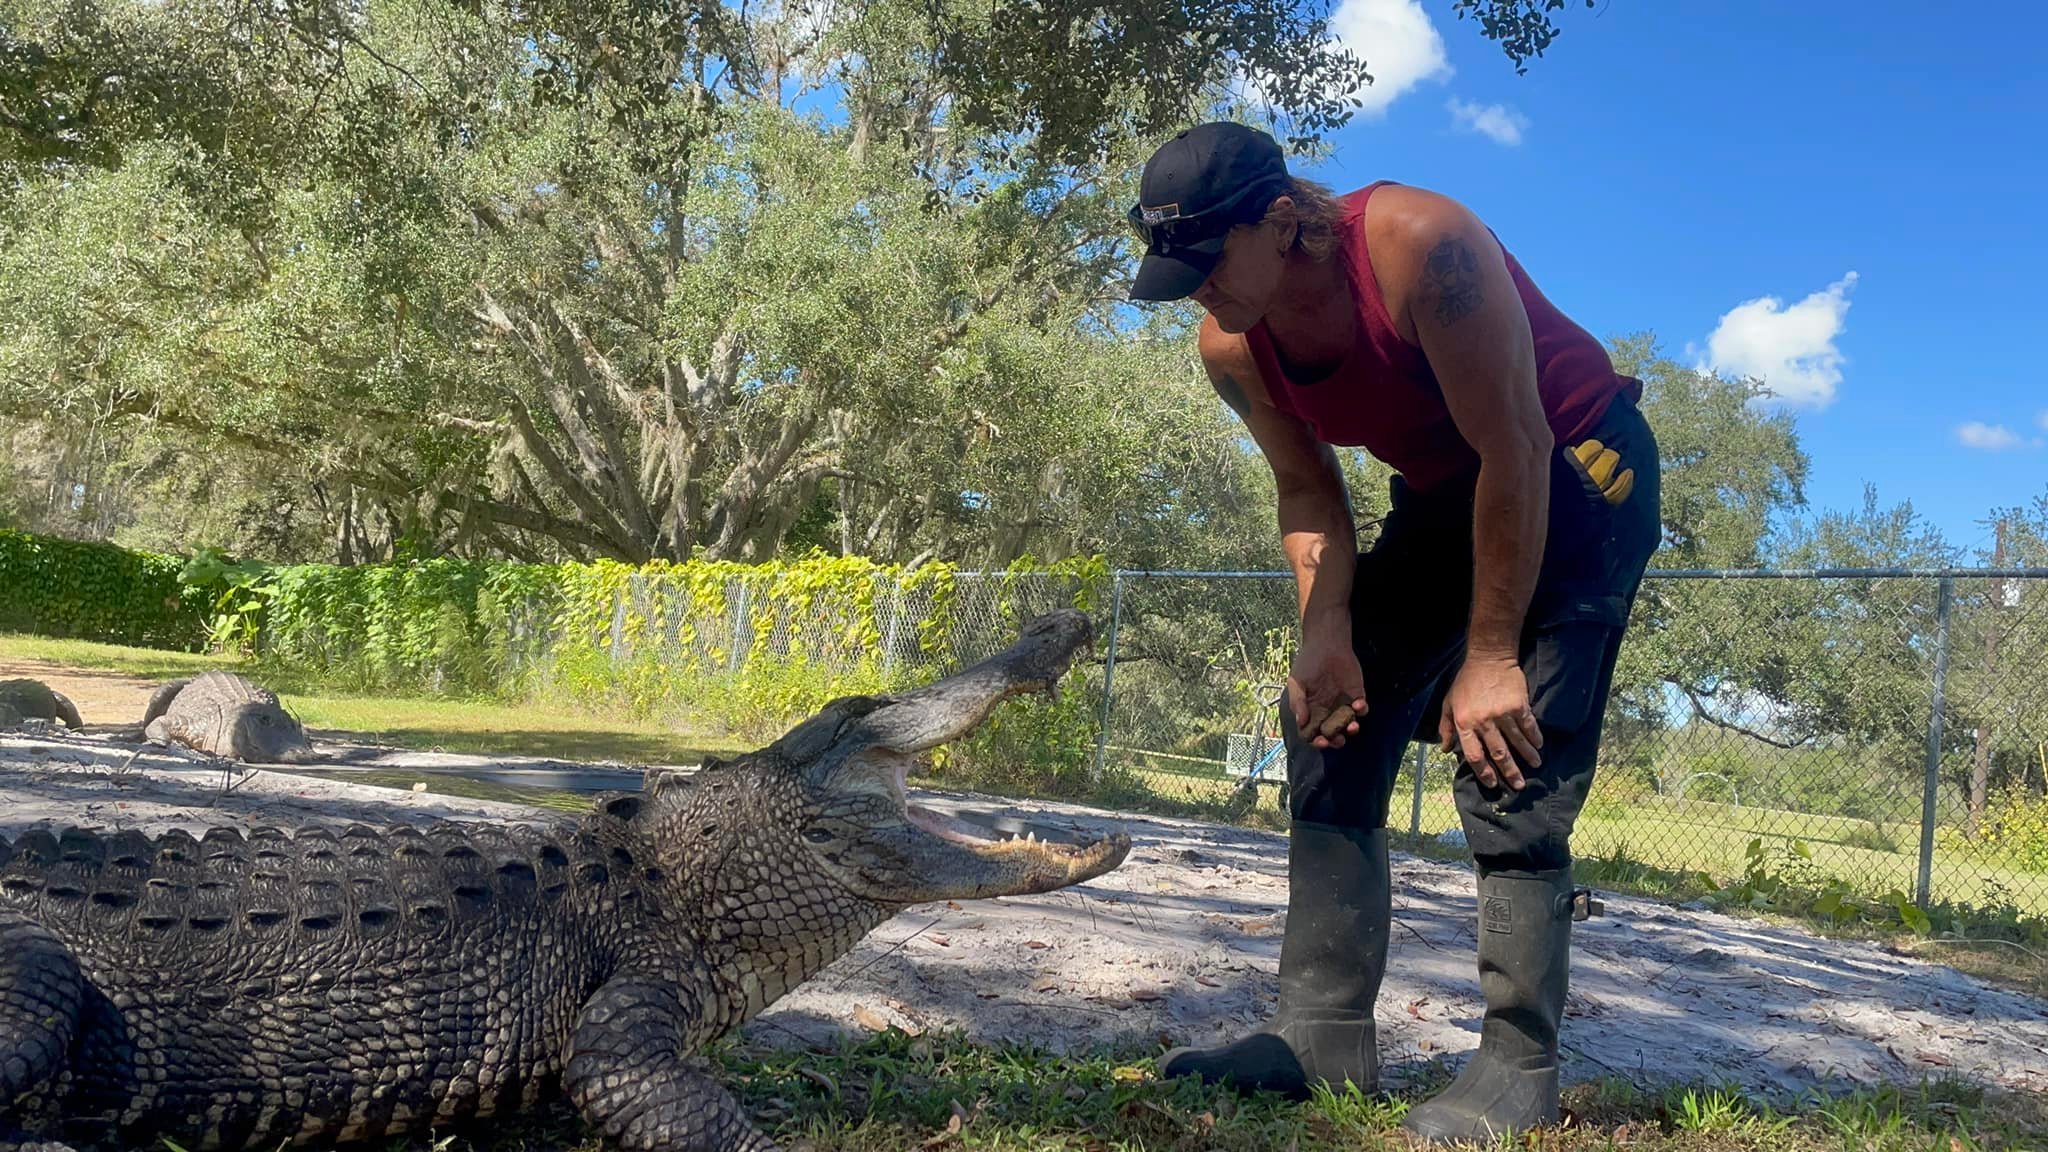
1616,793
415,625
94,591
1783,878
2015,830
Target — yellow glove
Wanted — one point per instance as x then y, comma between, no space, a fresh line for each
1597,461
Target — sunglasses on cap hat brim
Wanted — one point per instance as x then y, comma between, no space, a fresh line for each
1181,250
1164,229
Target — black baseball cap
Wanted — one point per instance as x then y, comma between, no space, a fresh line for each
1195,188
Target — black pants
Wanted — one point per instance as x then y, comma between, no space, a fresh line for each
1410,605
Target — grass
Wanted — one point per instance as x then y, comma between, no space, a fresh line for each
1681,837
445,784
489,728
891,1092
143,663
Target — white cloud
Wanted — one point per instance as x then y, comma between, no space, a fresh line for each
2043,419
1496,122
1792,350
1399,45
1989,437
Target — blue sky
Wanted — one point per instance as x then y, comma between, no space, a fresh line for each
1847,199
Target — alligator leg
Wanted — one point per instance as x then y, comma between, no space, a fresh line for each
40,993
627,1077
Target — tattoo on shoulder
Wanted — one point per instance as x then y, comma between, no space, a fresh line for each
1451,272
1227,387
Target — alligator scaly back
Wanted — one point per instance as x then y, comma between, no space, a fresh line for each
274,986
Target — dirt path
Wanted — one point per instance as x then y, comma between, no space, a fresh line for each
1182,944
103,698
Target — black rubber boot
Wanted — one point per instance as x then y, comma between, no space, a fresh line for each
1511,1083
1331,960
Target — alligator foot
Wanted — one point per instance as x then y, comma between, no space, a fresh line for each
40,992
627,1077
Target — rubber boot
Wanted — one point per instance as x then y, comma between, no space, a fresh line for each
1511,1084
1331,960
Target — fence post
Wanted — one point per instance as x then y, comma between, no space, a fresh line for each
895,621
618,621
1415,810
1116,615
1944,601
739,629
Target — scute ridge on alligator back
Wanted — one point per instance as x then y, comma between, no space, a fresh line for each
232,990
225,714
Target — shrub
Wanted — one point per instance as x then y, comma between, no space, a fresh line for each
94,591
2015,831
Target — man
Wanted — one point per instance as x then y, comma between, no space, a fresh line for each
1486,617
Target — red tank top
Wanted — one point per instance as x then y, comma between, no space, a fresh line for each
1384,397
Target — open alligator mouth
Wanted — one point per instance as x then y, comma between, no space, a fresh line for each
1010,857
1024,857
999,837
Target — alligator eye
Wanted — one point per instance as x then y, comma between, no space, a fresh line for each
817,835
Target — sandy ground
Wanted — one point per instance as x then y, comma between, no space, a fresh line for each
1182,944
103,697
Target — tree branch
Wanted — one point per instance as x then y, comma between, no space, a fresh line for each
1699,711
582,357
557,471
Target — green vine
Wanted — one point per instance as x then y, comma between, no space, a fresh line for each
94,591
750,648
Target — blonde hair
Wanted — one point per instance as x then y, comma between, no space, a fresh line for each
1315,213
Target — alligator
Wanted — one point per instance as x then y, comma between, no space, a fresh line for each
34,700
234,991
225,714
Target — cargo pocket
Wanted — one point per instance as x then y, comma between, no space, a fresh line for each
1567,660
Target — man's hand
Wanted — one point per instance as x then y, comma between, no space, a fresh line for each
1326,689
1486,714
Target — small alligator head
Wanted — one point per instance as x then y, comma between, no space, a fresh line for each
257,732
832,791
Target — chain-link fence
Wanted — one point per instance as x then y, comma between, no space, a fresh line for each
1878,734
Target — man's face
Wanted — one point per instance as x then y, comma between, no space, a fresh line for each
1241,288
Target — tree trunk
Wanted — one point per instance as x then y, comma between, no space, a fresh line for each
345,552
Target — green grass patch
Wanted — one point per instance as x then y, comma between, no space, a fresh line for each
892,1092
145,663
491,728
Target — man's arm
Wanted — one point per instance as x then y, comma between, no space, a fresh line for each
1470,323
1317,534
